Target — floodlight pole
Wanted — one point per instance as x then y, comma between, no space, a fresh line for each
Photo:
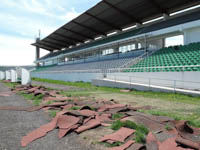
37,50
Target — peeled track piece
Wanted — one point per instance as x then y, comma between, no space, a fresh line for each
118,136
65,122
123,147
89,125
38,133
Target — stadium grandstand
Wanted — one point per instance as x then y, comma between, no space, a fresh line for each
4,68
125,41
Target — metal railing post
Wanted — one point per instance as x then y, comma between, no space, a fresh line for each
174,86
149,84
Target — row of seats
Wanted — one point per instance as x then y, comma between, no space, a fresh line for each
169,57
102,65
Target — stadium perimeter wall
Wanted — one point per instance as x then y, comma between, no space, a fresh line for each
185,80
72,77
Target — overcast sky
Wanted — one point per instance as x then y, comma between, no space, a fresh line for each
20,21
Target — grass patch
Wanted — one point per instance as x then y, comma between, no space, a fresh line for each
168,127
117,116
52,113
10,84
37,102
35,99
85,85
76,93
115,144
192,119
140,137
75,108
76,84
49,102
175,97
141,130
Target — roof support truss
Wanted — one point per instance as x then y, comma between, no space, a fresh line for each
67,37
49,45
80,34
60,41
157,6
89,28
56,44
103,21
44,47
123,12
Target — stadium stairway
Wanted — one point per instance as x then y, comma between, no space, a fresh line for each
171,59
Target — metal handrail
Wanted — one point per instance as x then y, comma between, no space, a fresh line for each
175,84
154,78
116,69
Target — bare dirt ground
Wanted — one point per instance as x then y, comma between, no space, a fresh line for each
16,124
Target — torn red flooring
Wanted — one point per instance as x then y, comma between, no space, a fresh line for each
87,113
5,94
89,125
188,143
63,132
170,144
38,133
112,106
150,124
65,122
16,108
152,142
137,146
118,136
151,138
104,118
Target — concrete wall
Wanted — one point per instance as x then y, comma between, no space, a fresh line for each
72,77
185,80
192,35
141,87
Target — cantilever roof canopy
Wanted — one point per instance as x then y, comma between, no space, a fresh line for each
108,16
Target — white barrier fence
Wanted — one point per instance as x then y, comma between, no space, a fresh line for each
2,75
20,75
175,84
13,76
8,75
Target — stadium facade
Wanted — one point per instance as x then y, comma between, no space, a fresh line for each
125,40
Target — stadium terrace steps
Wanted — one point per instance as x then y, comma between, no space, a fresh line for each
103,65
171,59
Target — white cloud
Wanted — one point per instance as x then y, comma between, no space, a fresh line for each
21,20
25,26
16,51
70,15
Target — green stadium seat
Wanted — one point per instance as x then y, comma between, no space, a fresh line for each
185,56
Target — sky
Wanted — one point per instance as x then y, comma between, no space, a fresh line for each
21,20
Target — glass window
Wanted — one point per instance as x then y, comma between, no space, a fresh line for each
139,45
133,47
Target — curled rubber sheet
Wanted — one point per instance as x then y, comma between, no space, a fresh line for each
118,136
124,146
79,115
